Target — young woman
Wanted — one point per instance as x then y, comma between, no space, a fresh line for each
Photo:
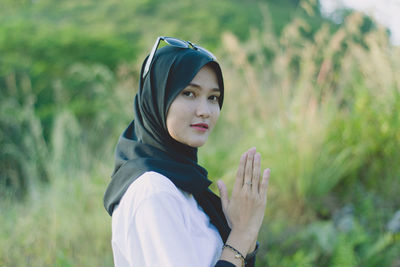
163,213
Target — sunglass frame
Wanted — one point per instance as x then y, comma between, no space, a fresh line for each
170,41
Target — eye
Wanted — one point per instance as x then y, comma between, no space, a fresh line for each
214,98
188,93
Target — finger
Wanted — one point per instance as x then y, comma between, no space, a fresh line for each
240,173
264,183
256,173
223,192
248,173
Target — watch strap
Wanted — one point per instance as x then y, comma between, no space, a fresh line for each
253,254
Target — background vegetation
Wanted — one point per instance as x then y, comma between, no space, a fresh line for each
320,101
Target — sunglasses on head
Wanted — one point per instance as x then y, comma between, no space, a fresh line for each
174,42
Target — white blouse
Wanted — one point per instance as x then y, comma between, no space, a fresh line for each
157,224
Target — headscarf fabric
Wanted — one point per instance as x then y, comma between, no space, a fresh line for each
146,144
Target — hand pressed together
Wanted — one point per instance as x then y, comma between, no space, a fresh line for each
246,207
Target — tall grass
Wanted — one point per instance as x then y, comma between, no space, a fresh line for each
323,112
61,221
330,120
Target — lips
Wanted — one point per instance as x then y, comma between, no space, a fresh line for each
202,125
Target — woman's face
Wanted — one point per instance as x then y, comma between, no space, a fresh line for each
195,111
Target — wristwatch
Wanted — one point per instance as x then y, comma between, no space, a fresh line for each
252,254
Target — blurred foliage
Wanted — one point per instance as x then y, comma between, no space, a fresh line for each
320,101
323,112
62,55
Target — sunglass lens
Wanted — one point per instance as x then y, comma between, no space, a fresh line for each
176,42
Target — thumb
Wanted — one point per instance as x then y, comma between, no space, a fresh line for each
223,192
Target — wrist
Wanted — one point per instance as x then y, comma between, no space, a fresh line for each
245,234
253,252
242,241
237,254
253,246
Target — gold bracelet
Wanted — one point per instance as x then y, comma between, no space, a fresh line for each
238,255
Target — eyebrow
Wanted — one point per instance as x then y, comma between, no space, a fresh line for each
198,86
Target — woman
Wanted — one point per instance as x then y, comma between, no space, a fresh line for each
163,213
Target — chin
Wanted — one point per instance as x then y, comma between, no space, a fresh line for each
197,143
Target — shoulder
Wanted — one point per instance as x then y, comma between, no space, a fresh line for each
150,186
150,194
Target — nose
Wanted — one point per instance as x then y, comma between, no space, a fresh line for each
203,109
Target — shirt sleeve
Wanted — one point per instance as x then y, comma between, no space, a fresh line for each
222,263
158,234
252,262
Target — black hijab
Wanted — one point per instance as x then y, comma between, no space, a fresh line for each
146,144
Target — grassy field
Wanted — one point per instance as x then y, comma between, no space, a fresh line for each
321,104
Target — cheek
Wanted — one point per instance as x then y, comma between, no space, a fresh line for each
172,124
215,116
176,117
